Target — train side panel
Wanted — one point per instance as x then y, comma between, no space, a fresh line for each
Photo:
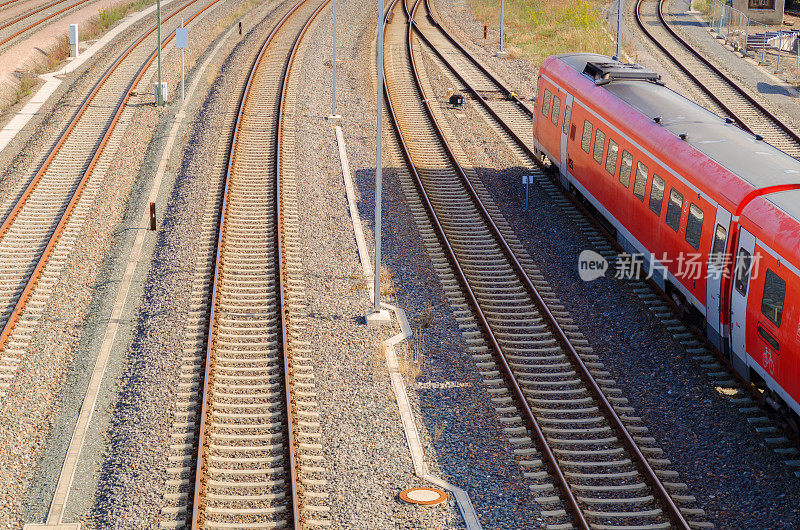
608,165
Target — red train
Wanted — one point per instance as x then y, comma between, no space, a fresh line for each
713,211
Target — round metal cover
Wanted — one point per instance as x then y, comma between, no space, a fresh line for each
424,496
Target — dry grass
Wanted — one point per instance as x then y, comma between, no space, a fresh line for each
26,83
536,29
56,54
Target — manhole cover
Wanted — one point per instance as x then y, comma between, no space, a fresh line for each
425,496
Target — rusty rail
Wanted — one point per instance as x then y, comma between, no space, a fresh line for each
198,486
641,461
730,82
26,15
8,327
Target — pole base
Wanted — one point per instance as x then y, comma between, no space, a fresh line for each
333,117
378,319
501,54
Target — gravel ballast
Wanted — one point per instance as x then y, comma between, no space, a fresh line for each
737,477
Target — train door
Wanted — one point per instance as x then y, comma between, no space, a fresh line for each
741,288
565,128
716,269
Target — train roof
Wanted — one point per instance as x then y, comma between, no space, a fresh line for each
756,162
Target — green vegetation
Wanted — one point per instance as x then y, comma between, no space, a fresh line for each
536,29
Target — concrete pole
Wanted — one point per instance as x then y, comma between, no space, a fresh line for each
333,63
619,29
160,95
379,163
502,16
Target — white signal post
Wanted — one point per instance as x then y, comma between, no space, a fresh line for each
182,42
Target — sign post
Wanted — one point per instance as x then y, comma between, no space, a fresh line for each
526,181
182,42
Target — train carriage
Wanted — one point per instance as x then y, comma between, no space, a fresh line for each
713,210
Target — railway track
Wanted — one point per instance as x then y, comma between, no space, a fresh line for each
13,27
246,470
725,96
606,469
43,220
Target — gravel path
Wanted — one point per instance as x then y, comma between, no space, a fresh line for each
737,478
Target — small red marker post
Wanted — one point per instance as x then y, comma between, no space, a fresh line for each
152,216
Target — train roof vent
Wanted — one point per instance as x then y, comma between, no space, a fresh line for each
605,72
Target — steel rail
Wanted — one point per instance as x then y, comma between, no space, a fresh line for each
198,486
527,110
8,2
749,387
727,80
497,352
611,415
48,17
500,121
8,326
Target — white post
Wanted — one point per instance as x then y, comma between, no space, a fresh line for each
502,16
619,30
378,163
333,63
73,40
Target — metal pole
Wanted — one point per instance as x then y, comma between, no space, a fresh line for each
797,67
333,112
764,44
159,94
747,36
619,30
378,163
712,14
183,79
778,66
502,16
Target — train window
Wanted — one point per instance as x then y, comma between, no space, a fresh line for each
567,118
674,208
546,102
611,156
625,168
694,226
640,183
657,195
556,110
774,294
742,270
599,142
717,257
586,139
